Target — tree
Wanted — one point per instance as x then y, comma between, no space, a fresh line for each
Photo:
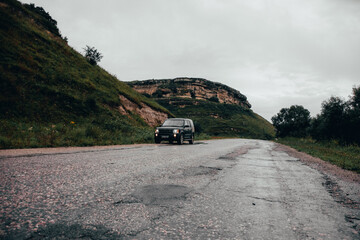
353,116
339,120
332,118
92,55
355,99
293,121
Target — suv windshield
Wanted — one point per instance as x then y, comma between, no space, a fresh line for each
173,123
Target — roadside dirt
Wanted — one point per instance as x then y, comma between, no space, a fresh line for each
342,185
320,165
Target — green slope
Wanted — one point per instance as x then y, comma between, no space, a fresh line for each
217,109
223,120
50,94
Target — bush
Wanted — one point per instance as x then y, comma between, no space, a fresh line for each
338,120
292,121
92,55
158,93
214,99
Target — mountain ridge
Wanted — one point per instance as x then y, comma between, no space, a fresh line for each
197,88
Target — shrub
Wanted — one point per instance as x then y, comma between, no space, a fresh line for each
92,55
292,121
214,99
339,119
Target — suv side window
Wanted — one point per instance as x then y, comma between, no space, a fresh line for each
187,123
192,126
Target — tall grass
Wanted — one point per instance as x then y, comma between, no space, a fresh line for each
33,134
346,157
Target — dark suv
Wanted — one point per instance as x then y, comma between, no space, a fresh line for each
175,129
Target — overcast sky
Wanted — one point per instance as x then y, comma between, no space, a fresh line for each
276,52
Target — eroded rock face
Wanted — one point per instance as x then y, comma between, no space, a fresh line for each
195,88
150,116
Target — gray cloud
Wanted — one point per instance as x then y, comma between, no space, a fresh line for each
278,53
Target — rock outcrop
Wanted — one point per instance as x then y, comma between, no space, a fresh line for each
195,88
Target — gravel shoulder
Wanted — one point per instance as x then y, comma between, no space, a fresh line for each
342,185
320,165
348,182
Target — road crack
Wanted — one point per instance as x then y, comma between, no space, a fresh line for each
267,200
338,195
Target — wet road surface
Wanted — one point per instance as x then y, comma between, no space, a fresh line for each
224,189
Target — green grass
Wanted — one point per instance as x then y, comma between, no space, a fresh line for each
346,157
41,74
83,133
46,83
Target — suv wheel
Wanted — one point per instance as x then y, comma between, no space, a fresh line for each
191,141
181,139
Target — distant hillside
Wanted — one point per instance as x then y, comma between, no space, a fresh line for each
195,88
217,109
52,96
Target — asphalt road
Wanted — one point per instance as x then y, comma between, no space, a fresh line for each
223,189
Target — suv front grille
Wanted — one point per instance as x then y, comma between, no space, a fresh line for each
165,131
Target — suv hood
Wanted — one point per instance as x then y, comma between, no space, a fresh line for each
168,128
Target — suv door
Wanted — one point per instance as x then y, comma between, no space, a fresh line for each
187,130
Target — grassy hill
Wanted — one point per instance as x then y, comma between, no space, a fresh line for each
223,120
217,110
52,96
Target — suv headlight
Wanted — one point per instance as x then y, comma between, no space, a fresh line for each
157,131
175,131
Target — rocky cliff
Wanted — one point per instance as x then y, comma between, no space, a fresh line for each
216,109
195,88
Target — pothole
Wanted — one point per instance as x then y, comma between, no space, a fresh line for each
230,156
197,171
238,152
159,194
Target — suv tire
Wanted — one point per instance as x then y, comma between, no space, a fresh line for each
192,140
181,139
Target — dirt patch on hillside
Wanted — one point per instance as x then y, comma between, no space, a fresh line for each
150,116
